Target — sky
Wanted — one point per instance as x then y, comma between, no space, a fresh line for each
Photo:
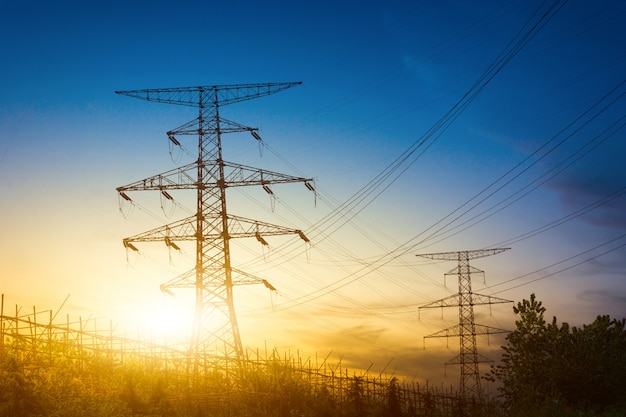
426,127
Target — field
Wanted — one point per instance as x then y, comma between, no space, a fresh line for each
81,367
62,367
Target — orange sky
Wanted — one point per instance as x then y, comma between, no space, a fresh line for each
375,78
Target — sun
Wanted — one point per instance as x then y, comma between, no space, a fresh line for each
168,321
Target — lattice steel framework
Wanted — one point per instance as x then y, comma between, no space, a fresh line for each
215,323
467,329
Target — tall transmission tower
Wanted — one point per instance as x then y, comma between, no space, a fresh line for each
467,329
215,327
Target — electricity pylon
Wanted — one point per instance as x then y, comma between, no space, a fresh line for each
467,329
215,327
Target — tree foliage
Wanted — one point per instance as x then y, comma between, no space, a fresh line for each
547,366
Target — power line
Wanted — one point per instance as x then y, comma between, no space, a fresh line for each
545,177
384,179
561,262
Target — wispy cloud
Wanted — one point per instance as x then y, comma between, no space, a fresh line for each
579,189
612,302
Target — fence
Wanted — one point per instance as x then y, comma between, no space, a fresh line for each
39,340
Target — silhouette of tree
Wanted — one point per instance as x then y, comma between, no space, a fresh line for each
547,366
394,408
356,398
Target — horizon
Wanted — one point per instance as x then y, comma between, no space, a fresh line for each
531,162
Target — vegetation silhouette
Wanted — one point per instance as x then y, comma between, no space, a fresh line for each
546,369
552,369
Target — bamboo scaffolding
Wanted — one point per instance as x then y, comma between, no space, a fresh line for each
42,343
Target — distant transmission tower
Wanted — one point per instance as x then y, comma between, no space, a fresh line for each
215,326
467,329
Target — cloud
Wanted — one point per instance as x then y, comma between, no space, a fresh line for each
348,335
608,195
611,264
611,302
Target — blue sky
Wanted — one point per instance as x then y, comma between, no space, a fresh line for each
375,79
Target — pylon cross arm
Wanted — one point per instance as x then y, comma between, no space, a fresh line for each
235,175
454,331
451,301
209,127
241,175
180,230
181,178
457,331
470,254
480,299
203,96
243,227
